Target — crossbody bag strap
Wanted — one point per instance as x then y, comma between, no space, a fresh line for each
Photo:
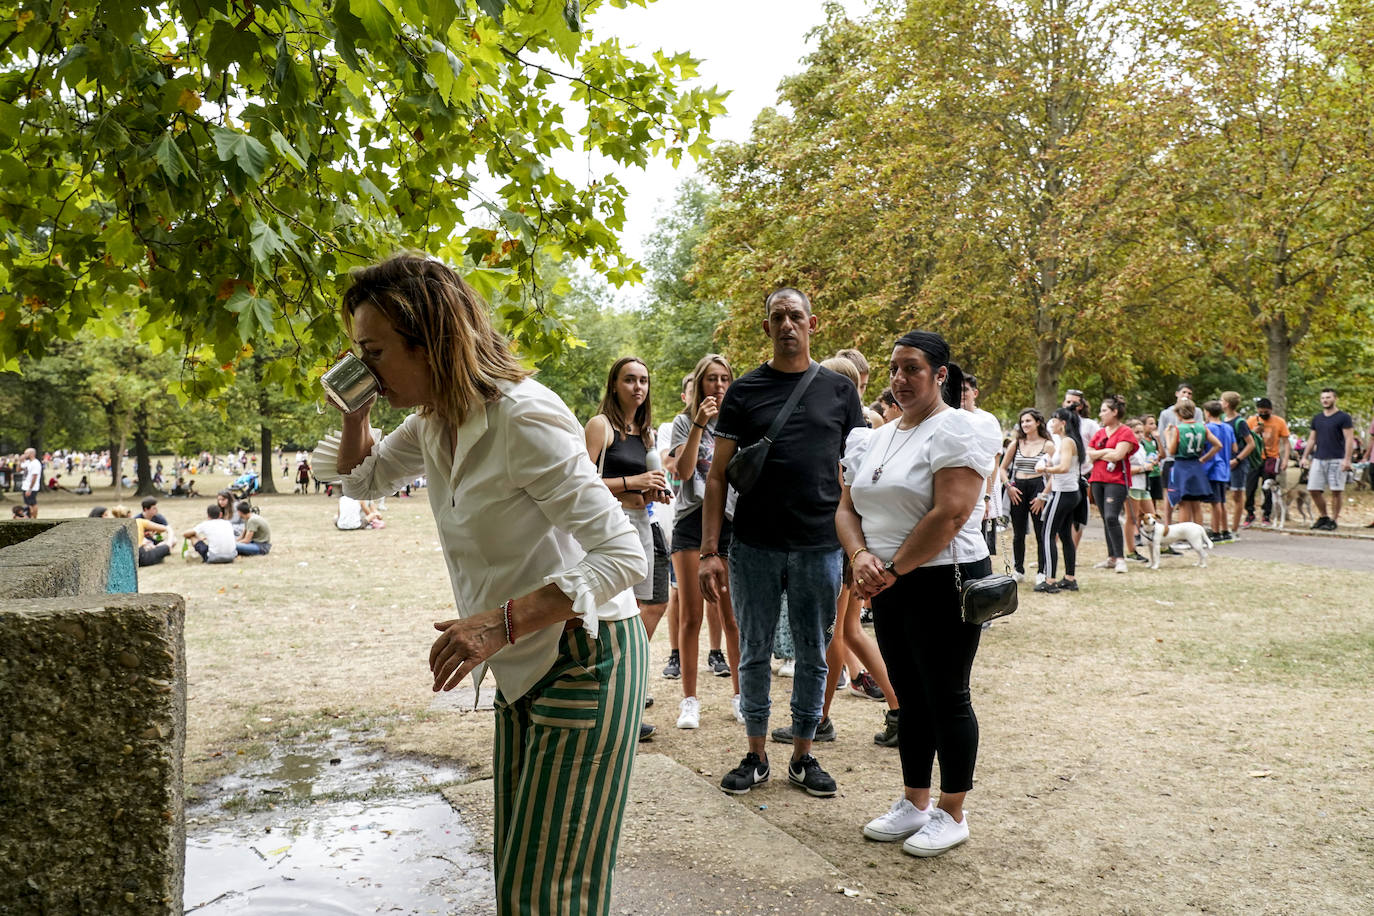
802,384
610,439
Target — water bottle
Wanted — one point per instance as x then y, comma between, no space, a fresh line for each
653,462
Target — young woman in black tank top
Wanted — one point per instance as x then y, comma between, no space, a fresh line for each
1023,481
618,441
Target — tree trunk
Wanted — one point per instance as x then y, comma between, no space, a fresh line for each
1280,350
146,487
267,467
1049,367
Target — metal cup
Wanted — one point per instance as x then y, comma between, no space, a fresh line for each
349,384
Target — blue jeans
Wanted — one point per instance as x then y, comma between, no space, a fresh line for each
758,580
252,548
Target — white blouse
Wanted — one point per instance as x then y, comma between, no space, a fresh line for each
518,505
904,492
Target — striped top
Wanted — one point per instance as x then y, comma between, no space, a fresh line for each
1023,465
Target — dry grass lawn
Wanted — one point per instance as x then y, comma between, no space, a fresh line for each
1170,741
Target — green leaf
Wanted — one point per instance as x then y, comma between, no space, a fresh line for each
168,155
241,149
284,147
231,45
265,243
120,244
374,17
493,8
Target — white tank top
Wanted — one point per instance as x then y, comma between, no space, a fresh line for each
1066,482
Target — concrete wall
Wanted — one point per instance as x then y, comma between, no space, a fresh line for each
92,726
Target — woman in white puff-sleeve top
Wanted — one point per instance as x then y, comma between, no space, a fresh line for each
906,516
541,560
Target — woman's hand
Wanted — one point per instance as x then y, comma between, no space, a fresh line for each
649,481
1036,505
462,645
869,575
708,409
1014,494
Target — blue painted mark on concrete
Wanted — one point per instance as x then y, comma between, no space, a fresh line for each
123,577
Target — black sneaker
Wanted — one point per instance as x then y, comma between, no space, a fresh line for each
646,731
1140,557
807,774
673,670
1046,587
888,736
863,685
824,732
1067,585
715,660
1213,536
752,771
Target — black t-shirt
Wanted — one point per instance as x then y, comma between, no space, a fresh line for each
1330,434
792,507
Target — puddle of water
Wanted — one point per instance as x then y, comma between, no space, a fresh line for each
334,765
407,855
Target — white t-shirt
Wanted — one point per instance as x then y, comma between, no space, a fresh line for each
901,496
988,426
661,512
218,535
33,475
1086,430
350,514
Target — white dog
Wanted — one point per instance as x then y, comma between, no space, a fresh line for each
1159,534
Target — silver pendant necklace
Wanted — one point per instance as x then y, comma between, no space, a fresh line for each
878,471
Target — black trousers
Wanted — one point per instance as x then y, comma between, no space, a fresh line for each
929,654
1022,519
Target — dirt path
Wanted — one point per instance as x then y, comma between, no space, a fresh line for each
1173,741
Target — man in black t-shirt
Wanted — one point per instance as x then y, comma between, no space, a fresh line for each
784,534
1332,441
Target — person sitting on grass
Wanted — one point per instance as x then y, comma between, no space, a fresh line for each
213,538
154,539
84,487
256,539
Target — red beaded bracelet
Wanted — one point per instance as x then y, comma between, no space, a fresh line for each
505,615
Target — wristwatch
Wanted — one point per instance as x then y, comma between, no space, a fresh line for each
891,567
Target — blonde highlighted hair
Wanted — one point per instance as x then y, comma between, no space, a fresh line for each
703,366
433,309
844,366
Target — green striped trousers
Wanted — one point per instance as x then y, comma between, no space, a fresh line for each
563,757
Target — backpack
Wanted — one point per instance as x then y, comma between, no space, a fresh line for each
1243,431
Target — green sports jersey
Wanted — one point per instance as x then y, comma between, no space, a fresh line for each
1192,440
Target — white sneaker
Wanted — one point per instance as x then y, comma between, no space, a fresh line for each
901,821
843,682
1105,564
787,668
1019,577
1121,565
737,709
689,713
940,834
1039,578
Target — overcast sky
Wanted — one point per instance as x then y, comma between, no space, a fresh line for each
746,47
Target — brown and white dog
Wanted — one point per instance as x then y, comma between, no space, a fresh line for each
1285,496
1159,534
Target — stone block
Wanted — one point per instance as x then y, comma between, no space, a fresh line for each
83,556
92,726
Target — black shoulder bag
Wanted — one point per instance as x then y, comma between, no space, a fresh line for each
747,463
985,599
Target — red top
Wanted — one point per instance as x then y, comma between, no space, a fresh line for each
1121,471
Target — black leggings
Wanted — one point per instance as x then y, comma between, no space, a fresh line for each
1021,519
1111,499
1057,520
929,653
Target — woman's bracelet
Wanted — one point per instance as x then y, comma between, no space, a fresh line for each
707,556
625,485
698,425
853,556
510,626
